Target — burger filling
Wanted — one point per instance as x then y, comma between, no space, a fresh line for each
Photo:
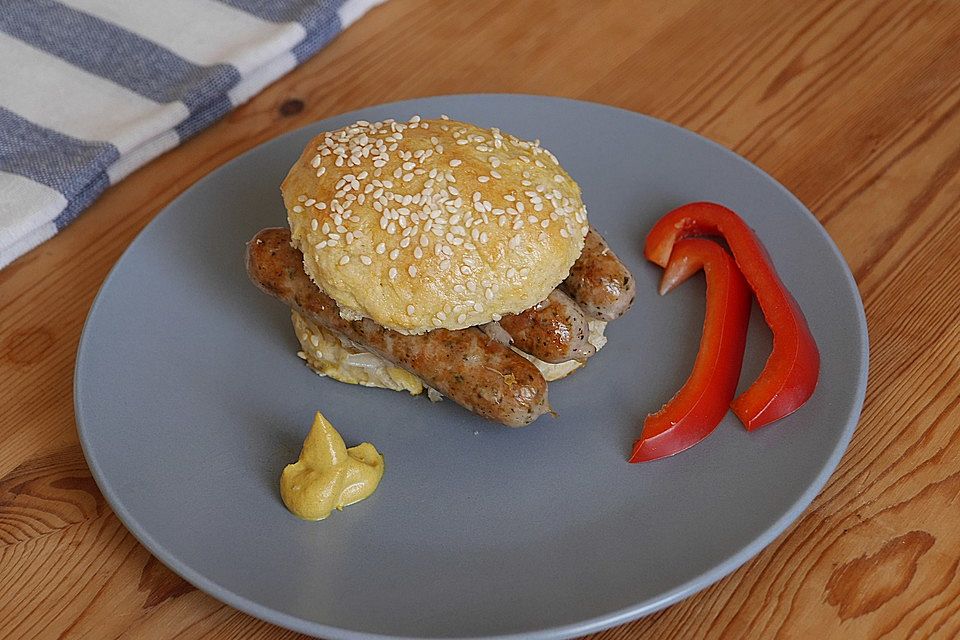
330,355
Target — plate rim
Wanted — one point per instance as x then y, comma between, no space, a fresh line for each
603,621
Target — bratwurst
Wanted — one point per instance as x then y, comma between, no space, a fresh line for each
599,282
554,330
475,371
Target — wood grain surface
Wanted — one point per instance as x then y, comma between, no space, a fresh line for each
853,105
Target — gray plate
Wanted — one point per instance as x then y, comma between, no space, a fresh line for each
190,400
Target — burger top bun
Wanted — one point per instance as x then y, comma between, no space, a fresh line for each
432,223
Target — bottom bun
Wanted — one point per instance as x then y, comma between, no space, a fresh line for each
330,355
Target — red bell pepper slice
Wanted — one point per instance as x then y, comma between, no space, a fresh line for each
695,411
790,374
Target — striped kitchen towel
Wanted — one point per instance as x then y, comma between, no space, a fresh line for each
92,89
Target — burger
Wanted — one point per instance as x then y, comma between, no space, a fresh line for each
438,256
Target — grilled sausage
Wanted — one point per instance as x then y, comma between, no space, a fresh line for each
554,330
599,282
466,365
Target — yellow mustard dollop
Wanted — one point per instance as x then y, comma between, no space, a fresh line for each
327,475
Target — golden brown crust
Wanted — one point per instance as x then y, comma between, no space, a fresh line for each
433,223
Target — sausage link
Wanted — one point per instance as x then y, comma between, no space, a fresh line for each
599,282
554,330
467,366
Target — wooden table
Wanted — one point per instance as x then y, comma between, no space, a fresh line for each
854,106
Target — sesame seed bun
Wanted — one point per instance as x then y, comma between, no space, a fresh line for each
433,223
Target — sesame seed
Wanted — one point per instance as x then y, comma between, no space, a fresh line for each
314,224
563,232
412,270
461,317
381,248
410,309
483,178
316,161
394,254
456,162
495,174
407,177
344,260
393,273
418,253
320,206
366,260
444,264
488,293
297,209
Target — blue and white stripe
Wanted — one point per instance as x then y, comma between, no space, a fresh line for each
90,90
